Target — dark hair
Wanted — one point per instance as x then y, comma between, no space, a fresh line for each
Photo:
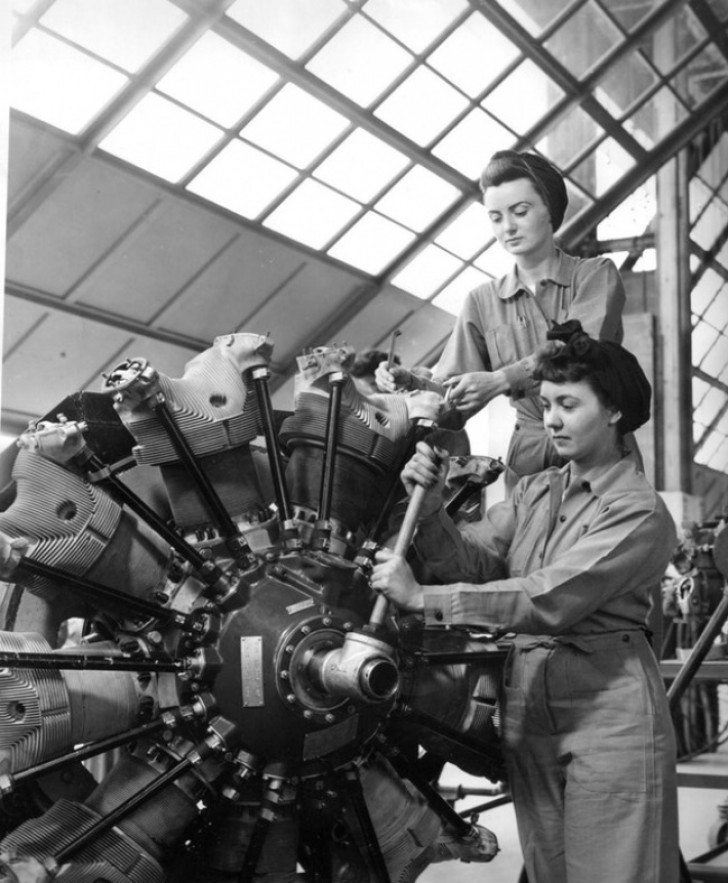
509,165
611,371
366,362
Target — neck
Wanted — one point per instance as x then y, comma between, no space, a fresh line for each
592,467
533,267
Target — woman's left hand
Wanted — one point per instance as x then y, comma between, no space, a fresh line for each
471,392
393,578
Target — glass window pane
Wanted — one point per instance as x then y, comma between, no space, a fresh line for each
569,137
474,139
703,338
426,272
127,34
717,316
461,58
707,287
673,40
294,126
712,401
160,137
577,201
720,8
289,25
372,243
416,23
422,106
312,214
624,84
583,39
701,76
361,166
603,167
242,179
700,391
534,15
714,452
716,358
452,297
524,98
345,61
710,224
68,102
715,166
417,199
629,15
468,233
196,80
633,215
656,118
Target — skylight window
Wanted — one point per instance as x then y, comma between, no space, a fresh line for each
160,137
524,98
292,26
417,199
416,23
422,106
294,126
464,60
705,289
633,216
242,179
55,83
495,261
426,272
217,80
372,243
345,61
361,166
656,118
569,137
709,225
313,214
568,46
468,233
452,298
127,34
470,144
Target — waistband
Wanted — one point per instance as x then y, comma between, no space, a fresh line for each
586,643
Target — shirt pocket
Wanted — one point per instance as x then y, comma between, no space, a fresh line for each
508,343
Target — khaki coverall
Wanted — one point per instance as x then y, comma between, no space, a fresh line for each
570,568
502,324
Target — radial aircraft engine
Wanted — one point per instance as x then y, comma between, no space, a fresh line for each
197,682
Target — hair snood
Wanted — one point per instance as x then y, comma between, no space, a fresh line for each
612,370
508,165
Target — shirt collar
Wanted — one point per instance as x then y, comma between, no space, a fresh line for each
618,477
560,274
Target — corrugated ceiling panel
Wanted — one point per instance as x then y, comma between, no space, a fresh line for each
143,275
89,211
31,152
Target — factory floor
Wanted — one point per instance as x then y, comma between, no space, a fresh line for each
697,808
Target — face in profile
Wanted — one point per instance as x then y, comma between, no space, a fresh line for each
579,425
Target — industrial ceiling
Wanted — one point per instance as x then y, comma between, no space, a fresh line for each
180,169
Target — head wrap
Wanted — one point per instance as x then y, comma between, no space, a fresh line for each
615,369
508,165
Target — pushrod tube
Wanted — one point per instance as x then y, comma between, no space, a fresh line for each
260,377
336,383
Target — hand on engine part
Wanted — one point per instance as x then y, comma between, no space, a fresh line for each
427,468
471,392
11,551
393,578
393,378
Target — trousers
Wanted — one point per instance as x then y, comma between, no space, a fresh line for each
590,754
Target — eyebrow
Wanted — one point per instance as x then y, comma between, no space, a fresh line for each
510,207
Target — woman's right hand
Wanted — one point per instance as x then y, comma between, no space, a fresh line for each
394,378
428,469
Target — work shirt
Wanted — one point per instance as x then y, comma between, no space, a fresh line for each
558,557
502,323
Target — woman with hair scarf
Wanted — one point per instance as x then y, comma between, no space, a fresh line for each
491,349
567,567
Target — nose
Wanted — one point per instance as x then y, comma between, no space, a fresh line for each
551,419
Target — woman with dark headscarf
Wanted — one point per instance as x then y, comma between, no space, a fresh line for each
567,566
491,349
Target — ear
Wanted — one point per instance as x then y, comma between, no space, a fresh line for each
614,418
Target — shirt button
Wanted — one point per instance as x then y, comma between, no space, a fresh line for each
563,518
438,615
625,638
